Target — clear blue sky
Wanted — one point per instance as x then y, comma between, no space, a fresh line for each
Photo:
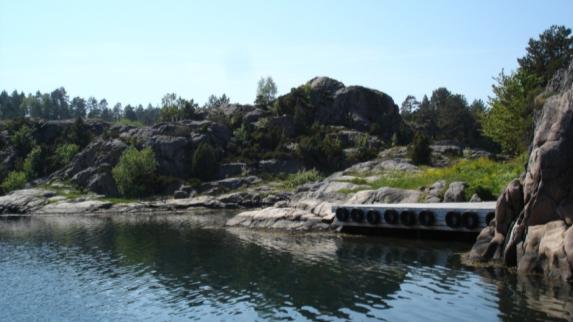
136,51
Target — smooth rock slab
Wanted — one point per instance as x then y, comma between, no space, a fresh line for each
385,195
279,218
24,201
88,206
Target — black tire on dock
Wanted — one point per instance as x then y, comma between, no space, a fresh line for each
426,218
408,218
342,214
357,215
470,220
373,217
391,217
453,219
489,217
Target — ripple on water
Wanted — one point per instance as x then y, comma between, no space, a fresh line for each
189,268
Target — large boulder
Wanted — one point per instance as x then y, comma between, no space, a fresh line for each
548,184
172,154
91,168
325,85
95,155
359,108
535,230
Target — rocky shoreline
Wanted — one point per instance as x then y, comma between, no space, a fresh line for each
532,227
531,231
262,205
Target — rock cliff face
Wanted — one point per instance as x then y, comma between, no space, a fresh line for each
356,107
173,144
350,113
349,116
91,168
532,229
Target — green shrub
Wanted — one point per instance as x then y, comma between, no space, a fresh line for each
134,174
205,162
364,151
419,151
321,151
296,179
34,163
22,140
65,153
15,180
242,134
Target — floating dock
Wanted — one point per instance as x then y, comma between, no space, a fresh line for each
463,217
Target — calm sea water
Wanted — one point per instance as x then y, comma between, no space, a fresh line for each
188,267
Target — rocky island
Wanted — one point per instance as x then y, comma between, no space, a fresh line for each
351,123
285,162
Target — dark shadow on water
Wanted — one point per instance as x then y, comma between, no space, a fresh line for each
463,236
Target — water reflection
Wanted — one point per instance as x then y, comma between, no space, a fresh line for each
190,267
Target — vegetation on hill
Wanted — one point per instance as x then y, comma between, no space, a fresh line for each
447,116
506,122
509,121
322,124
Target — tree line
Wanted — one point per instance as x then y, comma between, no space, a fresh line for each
446,116
506,122
57,105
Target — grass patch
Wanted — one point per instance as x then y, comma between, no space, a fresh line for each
64,189
358,181
128,122
296,179
348,191
485,177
